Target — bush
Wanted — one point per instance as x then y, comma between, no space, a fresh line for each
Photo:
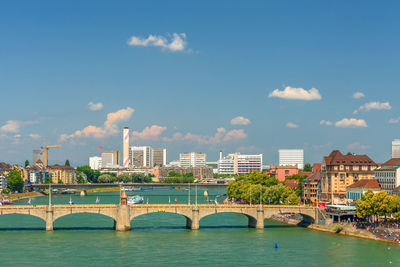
338,228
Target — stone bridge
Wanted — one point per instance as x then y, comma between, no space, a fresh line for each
122,214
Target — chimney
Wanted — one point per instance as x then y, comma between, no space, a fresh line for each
125,143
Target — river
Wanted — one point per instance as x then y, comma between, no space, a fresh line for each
161,239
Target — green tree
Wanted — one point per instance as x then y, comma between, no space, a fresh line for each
48,180
60,181
307,167
67,163
15,181
92,175
26,163
80,179
105,178
126,178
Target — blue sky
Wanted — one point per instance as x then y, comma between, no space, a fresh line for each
185,70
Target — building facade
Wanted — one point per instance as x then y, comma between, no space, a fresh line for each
291,157
141,156
358,189
192,159
388,175
240,164
110,158
338,171
281,172
160,157
396,148
95,163
65,174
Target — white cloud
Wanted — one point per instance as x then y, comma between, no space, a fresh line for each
292,125
394,120
149,133
373,105
351,123
13,126
110,126
296,93
324,122
239,120
176,43
358,95
34,136
222,135
357,146
95,106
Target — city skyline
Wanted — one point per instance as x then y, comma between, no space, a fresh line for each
273,79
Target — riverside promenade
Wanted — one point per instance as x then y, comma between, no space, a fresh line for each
122,214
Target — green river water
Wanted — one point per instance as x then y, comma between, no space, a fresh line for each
161,239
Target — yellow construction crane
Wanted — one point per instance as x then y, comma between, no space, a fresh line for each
45,152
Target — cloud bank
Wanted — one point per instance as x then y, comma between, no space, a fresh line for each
13,126
373,106
109,128
175,43
95,106
351,123
296,94
239,120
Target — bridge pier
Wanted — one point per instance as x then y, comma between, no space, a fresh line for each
49,219
123,222
258,221
193,223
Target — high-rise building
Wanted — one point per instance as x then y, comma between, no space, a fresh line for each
95,163
338,171
141,156
239,164
396,148
110,159
192,159
36,155
160,157
125,150
291,157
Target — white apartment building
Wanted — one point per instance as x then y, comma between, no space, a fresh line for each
95,163
388,175
396,148
3,182
226,165
192,159
141,156
291,157
240,164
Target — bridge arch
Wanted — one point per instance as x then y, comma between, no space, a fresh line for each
88,220
180,215
251,219
32,221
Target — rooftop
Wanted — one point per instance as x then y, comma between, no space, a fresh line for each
366,183
337,158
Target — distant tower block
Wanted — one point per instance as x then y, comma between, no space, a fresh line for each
125,151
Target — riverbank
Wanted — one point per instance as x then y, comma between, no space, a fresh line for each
26,195
348,229
102,190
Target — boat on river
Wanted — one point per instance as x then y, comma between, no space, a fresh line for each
135,200
7,201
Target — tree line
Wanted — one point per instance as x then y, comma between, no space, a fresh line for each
373,205
94,176
261,188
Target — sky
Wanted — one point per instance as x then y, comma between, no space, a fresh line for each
205,76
